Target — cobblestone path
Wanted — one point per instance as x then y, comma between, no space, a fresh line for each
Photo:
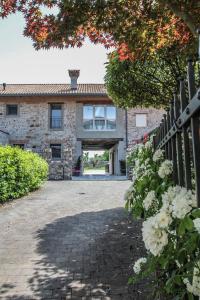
69,240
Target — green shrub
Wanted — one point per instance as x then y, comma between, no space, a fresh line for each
20,172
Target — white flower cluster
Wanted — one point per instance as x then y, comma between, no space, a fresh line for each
129,193
158,155
154,232
165,169
194,288
178,201
138,264
197,224
150,200
148,145
183,203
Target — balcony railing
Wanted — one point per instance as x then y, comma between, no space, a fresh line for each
56,123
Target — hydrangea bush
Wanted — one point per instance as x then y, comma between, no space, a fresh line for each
171,227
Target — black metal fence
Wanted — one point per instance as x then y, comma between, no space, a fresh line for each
179,133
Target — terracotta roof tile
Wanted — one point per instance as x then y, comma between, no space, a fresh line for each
52,89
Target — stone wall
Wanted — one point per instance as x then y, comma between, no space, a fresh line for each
31,128
154,117
4,138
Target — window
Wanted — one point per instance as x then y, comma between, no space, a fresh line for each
19,145
56,116
11,109
99,117
56,151
141,120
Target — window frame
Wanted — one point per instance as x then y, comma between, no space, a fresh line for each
105,119
56,144
139,114
20,145
50,116
12,115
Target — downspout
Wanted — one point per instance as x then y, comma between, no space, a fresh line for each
126,128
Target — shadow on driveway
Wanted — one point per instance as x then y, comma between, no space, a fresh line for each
87,256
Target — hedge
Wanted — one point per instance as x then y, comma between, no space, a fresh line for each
20,172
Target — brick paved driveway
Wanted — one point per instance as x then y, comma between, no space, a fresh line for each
69,240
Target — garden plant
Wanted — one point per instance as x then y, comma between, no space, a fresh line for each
20,172
171,225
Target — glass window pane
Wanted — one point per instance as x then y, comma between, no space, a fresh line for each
99,112
88,124
56,116
88,112
12,109
141,120
56,150
99,124
111,124
111,112
56,110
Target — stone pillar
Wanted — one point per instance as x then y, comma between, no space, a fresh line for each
47,154
67,163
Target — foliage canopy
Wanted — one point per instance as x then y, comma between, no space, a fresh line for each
151,24
143,83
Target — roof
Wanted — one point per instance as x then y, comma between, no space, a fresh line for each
53,90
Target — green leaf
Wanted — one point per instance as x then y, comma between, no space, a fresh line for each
188,223
196,213
181,228
190,297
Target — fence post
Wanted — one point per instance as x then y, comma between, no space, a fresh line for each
186,143
169,142
165,132
195,131
174,157
178,144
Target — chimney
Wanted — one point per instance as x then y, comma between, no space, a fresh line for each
74,74
4,86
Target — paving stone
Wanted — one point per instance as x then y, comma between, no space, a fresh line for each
57,245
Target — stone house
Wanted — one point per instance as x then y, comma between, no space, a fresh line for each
59,121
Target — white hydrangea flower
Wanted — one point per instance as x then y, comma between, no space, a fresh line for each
149,200
197,224
165,169
158,155
182,203
138,264
148,145
154,237
194,288
163,219
129,193
168,197
147,161
178,201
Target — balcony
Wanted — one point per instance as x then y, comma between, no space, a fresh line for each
56,123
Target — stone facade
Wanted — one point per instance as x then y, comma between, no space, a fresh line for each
153,118
31,127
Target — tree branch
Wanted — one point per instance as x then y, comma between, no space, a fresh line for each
182,14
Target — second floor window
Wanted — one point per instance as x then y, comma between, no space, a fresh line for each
11,109
56,116
141,120
99,117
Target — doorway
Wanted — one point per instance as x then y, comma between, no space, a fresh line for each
95,162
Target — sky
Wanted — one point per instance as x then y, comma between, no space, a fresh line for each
20,63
